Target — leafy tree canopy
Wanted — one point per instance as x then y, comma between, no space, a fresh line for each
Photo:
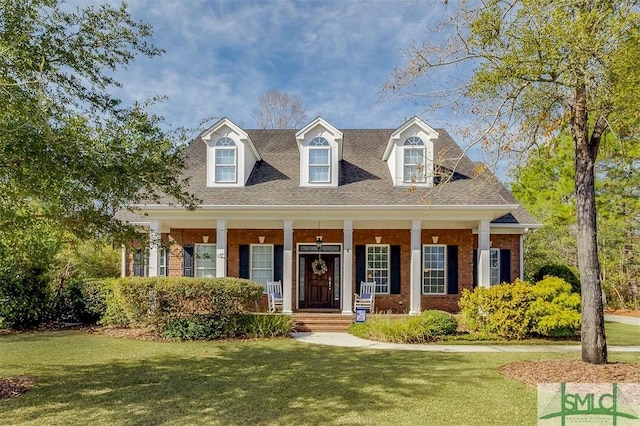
540,67
71,154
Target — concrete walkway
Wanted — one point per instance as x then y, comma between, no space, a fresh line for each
622,319
348,340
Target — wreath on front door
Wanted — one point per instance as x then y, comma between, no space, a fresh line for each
319,267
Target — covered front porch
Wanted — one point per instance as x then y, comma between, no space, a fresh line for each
370,246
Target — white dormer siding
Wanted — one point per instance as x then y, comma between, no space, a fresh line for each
320,147
231,155
409,154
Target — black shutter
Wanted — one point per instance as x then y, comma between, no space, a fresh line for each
187,261
361,266
475,268
395,270
244,261
505,266
452,269
278,253
138,263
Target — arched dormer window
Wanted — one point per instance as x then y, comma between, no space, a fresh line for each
319,160
226,160
414,160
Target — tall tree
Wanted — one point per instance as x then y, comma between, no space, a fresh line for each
280,110
71,153
538,67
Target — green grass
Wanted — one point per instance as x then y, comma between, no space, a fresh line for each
622,334
617,335
92,379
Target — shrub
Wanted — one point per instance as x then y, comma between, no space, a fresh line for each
80,301
24,298
183,308
426,327
555,312
438,323
560,271
501,309
519,310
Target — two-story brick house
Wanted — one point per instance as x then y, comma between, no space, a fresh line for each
322,209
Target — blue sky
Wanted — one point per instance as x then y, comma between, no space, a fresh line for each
221,56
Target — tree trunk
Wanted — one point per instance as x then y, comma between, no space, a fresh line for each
594,345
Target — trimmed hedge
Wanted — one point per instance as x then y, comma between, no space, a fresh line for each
520,310
175,304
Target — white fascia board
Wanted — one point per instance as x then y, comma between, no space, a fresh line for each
337,134
244,136
396,134
499,207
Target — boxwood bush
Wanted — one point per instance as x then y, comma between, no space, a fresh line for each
520,310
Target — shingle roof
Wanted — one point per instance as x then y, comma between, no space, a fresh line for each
365,179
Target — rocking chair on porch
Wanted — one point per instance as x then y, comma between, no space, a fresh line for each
367,297
274,295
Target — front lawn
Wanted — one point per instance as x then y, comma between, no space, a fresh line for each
92,379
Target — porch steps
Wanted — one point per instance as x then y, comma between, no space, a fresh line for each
335,322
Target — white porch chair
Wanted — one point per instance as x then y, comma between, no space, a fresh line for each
367,297
274,295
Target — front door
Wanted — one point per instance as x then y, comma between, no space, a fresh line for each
319,278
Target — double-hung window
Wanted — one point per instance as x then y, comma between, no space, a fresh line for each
414,160
319,160
205,260
262,263
434,269
494,266
226,160
163,266
378,267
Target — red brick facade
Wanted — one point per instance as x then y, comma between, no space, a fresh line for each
396,303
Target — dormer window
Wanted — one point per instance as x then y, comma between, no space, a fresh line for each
319,160
226,165
409,154
414,160
320,147
231,155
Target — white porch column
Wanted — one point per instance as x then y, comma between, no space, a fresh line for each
154,244
484,273
416,268
287,269
221,248
347,268
123,261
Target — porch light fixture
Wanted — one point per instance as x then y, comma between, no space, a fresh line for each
319,241
261,239
435,239
378,239
205,239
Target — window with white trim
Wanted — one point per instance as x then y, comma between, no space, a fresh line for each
163,267
226,163
262,263
378,267
319,160
205,260
434,269
414,160
494,266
